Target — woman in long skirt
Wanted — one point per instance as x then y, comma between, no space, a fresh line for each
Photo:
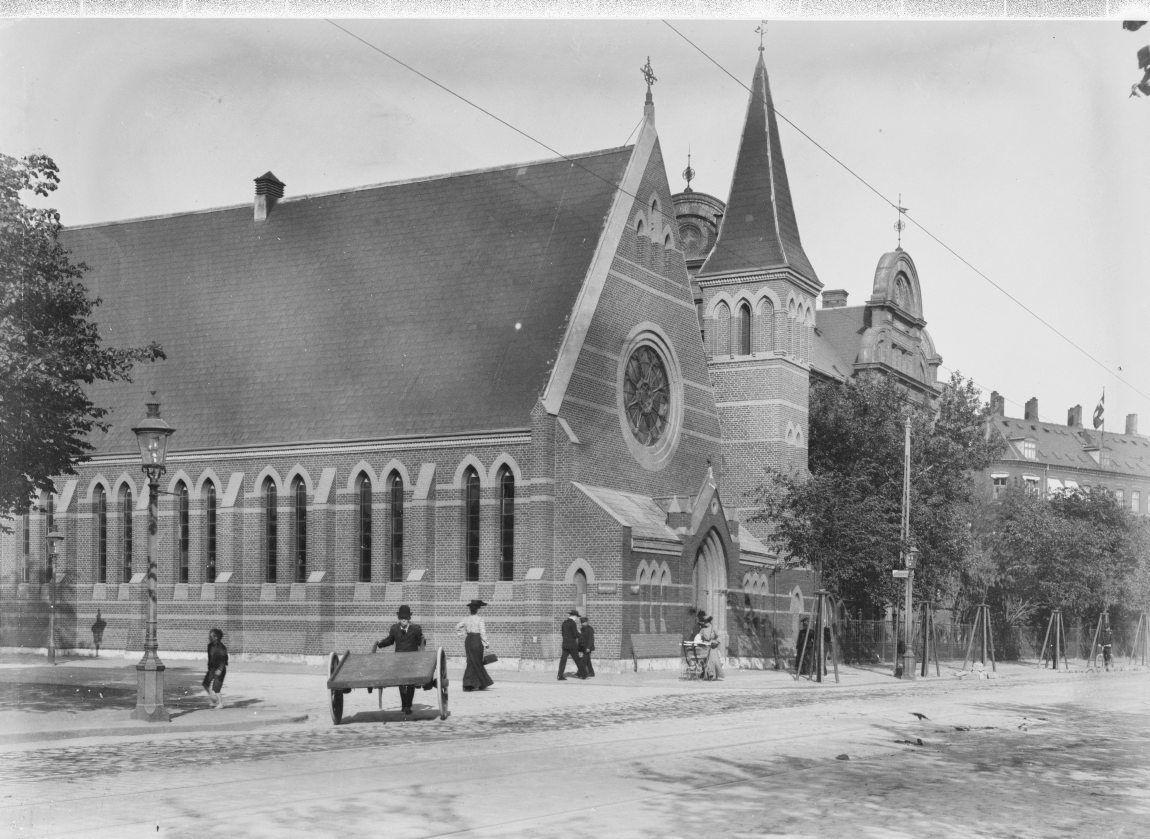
708,638
474,645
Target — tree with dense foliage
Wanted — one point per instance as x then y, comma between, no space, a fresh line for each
49,346
844,518
1079,551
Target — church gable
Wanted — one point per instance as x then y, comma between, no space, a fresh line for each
638,394
430,307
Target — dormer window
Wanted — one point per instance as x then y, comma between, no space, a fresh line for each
1028,448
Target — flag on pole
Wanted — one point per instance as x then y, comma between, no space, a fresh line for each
1099,410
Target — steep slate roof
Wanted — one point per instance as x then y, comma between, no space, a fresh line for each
825,360
378,312
1060,445
838,337
759,229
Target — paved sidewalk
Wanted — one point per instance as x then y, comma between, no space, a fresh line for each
94,697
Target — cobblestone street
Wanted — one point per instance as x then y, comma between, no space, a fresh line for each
1030,753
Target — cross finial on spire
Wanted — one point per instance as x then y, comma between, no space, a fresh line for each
648,74
688,173
900,224
762,30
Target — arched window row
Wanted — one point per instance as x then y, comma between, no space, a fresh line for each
379,520
743,327
650,222
654,581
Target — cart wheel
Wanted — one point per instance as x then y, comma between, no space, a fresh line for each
336,695
442,684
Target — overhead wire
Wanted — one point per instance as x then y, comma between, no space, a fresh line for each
919,224
670,218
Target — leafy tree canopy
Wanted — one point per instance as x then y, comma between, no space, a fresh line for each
49,346
1081,551
844,518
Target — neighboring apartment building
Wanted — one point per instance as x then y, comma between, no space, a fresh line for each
1048,457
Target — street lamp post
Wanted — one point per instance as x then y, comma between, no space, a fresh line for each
53,537
908,612
152,434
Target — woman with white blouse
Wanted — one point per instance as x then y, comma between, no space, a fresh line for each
474,644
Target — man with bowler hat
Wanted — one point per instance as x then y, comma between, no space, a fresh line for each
571,646
407,638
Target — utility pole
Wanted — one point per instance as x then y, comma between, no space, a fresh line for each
910,555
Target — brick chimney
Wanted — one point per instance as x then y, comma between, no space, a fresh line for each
997,404
1074,417
834,298
1031,410
1131,424
269,190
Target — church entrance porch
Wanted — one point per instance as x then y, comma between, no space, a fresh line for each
709,582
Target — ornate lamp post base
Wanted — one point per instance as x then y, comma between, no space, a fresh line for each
150,691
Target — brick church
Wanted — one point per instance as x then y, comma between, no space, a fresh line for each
545,385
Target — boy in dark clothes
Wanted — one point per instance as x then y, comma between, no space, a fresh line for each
217,667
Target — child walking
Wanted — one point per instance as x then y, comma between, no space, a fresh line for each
217,667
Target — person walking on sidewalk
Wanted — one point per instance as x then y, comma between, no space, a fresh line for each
474,644
98,632
217,667
407,637
586,645
571,646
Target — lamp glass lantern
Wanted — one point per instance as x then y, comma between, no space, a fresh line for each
152,434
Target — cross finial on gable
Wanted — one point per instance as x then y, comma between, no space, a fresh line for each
649,103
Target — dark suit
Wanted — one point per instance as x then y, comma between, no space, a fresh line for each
571,648
587,646
405,641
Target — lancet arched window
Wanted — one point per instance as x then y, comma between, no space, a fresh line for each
270,530
299,528
395,486
100,512
743,330
363,525
126,534
506,524
210,533
183,531
471,524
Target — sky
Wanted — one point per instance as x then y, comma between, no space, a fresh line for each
1014,143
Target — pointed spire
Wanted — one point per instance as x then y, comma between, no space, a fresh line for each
759,229
649,103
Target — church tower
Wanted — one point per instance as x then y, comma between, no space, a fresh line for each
756,295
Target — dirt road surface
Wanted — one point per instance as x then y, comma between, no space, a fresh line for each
1031,753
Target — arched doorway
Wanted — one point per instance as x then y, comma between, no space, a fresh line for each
709,579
